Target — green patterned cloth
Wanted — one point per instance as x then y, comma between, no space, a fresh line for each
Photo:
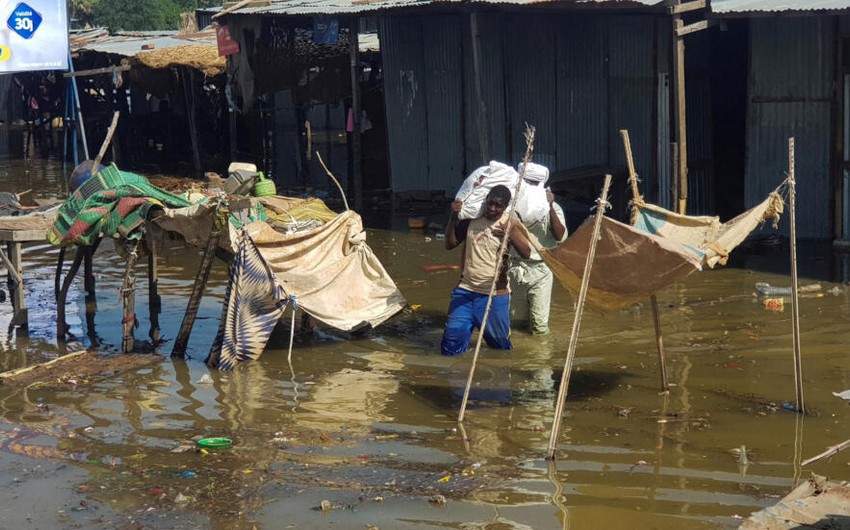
111,203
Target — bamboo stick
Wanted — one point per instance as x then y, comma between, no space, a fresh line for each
601,205
637,198
10,374
106,140
503,246
795,299
333,178
832,450
659,344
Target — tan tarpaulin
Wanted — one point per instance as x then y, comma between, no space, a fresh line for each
330,269
707,234
816,503
630,265
332,272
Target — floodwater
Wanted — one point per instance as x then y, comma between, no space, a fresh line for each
365,426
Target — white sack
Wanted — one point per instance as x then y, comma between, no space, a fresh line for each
478,184
532,205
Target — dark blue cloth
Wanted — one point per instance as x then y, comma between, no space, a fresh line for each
466,311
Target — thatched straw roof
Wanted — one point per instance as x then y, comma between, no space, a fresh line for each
202,57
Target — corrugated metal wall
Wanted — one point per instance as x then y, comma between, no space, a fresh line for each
404,85
492,91
531,91
577,78
423,87
631,92
791,94
582,102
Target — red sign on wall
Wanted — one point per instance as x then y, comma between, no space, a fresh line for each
226,45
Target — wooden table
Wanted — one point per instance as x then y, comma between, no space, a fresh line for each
11,257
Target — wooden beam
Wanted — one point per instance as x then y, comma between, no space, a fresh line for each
693,28
97,71
230,7
684,8
679,111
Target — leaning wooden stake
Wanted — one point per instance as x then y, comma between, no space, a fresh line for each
182,340
833,450
637,200
601,205
106,140
795,300
503,247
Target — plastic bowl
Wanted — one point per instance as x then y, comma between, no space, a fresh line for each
215,443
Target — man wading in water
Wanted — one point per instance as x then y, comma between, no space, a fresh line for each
482,236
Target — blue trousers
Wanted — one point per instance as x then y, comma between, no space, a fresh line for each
466,311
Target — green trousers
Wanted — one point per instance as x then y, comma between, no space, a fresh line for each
531,294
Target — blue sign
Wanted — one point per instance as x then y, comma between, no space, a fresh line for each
325,30
24,20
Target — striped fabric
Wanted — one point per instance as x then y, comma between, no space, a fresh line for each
254,303
111,203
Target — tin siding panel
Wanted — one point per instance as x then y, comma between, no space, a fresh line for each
492,90
631,85
531,92
582,104
441,41
790,95
404,85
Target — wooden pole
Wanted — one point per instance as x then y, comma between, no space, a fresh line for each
189,97
15,282
60,263
679,113
637,199
182,340
633,178
795,300
503,246
481,115
356,155
106,140
154,304
659,344
128,295
61,326
601,205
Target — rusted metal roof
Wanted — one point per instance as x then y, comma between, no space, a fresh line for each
351,7
734,7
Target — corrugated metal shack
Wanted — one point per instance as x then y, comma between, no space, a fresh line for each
578,71
797,78
170,94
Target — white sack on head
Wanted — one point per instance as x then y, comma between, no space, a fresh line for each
532,205
478,184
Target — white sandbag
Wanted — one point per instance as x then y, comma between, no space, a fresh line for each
478,184
532,205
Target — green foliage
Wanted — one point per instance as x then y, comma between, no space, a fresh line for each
135,15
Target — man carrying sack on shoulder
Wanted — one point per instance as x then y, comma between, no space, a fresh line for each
482,238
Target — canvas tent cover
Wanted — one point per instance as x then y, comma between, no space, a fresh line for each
633,263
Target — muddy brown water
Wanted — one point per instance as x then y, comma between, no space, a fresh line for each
365,426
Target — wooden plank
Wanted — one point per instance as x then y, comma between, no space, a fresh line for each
688,6
97,71
229,7
16,283
23,235
693,28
